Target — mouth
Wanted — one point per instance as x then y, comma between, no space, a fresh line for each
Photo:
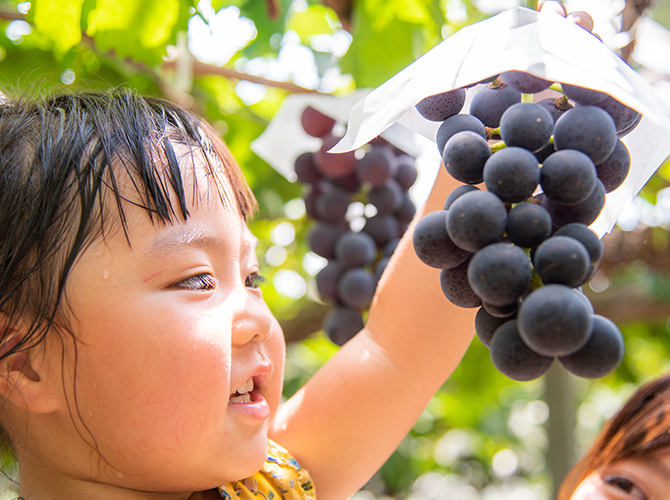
243,393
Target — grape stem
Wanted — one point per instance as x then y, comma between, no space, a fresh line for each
498,146
535,281
526,97
492,131
557,87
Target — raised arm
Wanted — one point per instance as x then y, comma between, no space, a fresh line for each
349,418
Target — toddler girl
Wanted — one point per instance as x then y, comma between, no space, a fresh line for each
137,356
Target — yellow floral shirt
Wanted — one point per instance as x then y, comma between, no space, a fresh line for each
281,478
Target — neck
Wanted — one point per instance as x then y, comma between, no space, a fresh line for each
46,485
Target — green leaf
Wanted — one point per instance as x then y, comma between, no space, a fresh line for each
389,35
140,30
59,20
311,21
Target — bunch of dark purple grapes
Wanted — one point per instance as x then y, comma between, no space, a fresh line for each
377,180
521,249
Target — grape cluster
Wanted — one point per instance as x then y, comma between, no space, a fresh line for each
375,180
521,248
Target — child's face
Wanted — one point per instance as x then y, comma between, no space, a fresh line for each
639,478
169,330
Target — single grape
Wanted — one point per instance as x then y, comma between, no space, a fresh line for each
316,123
513,358
553,321
355,249
528,225
486,325
331,206
583,95
562,260
342,323
624,117
455,286
512,174
356,287
383,228
525,82
588,129
455,124
377,166
388,197
614,170
568,177
490,103
601,354
584,213
433,245
322,238
327,278
476,219
526,125
306,170
499,273
464,156
406,172
582,233
334,165
441,106
458,191
589,239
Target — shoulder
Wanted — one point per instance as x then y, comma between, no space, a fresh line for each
281,478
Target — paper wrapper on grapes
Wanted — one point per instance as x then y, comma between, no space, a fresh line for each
359,205
544,45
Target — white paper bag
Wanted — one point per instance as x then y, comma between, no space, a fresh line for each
543,44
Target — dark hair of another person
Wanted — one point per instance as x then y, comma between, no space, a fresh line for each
641,426
65,163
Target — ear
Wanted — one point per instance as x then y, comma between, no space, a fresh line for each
23,372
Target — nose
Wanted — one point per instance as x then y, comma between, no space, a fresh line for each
253,320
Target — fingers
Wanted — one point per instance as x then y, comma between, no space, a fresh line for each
579,17
555,7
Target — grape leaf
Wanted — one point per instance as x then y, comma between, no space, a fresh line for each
140,30
60,21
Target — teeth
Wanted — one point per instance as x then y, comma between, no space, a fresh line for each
244,398
242,395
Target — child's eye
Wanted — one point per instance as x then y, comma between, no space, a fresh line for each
254,280
625,485
200,282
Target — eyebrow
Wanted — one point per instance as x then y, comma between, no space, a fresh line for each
178,240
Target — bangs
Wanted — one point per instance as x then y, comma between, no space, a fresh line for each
70,163
141,138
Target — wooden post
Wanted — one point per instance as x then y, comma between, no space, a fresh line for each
559,396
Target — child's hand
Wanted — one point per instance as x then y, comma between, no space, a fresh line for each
579,17
346,421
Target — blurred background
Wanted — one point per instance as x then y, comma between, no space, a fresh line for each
483,436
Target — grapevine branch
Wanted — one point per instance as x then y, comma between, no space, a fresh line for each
199,68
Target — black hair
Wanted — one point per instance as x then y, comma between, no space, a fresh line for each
61,158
